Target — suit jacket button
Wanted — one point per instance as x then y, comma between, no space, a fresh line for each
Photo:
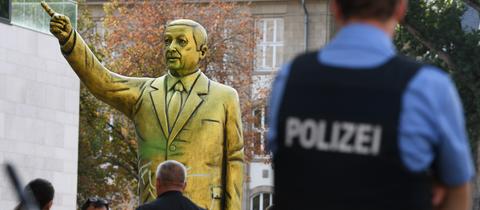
173,147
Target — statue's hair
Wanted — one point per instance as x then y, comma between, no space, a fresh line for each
171,172
199,32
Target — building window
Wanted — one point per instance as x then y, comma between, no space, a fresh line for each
269,50
261,201
265,174
5,10
30,14
260,128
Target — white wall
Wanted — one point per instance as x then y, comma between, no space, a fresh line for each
39,111
256,175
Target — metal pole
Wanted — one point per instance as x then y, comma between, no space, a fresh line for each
306,18
24,197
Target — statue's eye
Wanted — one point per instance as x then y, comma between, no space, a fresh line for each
168,41
182,42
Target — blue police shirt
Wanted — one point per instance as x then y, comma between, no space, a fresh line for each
431,125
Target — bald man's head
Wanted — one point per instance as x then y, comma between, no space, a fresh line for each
171,174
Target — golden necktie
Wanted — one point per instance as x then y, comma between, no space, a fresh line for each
175,104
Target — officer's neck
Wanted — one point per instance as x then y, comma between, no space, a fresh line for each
387,26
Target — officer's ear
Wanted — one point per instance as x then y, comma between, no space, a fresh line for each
48,206
400,10
337,12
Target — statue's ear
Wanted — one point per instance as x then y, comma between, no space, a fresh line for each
203,51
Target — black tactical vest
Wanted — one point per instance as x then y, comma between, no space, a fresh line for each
338,139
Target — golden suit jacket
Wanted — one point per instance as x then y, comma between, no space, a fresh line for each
207,137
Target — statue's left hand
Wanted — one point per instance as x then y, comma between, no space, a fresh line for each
60,25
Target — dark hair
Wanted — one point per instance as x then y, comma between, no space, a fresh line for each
378,9
97,202
41,190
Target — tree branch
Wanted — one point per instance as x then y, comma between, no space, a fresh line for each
126,167
428,44
124,138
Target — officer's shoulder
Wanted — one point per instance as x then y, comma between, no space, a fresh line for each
433,75
430,79
426,74
305,56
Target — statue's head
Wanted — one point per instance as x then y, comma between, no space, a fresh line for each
185,46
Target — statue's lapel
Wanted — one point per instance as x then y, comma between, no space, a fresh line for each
159,97
193,101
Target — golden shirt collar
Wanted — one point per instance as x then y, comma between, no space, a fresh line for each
187,81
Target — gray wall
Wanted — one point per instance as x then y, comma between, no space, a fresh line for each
39,112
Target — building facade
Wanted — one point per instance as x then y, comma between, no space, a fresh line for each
39,103
285,29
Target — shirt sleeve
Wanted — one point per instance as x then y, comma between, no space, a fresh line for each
454,155
274,105
432,128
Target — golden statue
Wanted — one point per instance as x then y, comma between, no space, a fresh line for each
182,115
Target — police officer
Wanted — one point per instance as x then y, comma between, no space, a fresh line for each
356,126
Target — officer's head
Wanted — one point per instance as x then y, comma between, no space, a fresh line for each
382,13
171,176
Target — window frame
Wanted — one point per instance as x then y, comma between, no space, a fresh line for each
261,197
29,15
262,131
9,19
274,44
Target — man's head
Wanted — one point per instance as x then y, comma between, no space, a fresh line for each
95,203
171,176
42,191
382,13
185,46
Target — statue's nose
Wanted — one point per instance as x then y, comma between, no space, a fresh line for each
171,48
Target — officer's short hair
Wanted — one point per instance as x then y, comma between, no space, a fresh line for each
171,172
378,9
199,32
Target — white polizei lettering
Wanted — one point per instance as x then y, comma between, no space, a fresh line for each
322,129
293,129
334,136
377,138
345,137
308,136
348,132
361,138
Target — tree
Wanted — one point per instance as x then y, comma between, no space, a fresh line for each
133,46
433,32
107,152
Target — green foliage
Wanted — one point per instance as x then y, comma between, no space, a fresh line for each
107,149
432,32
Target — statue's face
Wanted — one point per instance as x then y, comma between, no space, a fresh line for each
181,52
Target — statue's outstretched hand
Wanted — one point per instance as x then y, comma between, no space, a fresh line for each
60,25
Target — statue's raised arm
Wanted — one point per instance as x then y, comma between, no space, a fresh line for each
182,115
116,90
